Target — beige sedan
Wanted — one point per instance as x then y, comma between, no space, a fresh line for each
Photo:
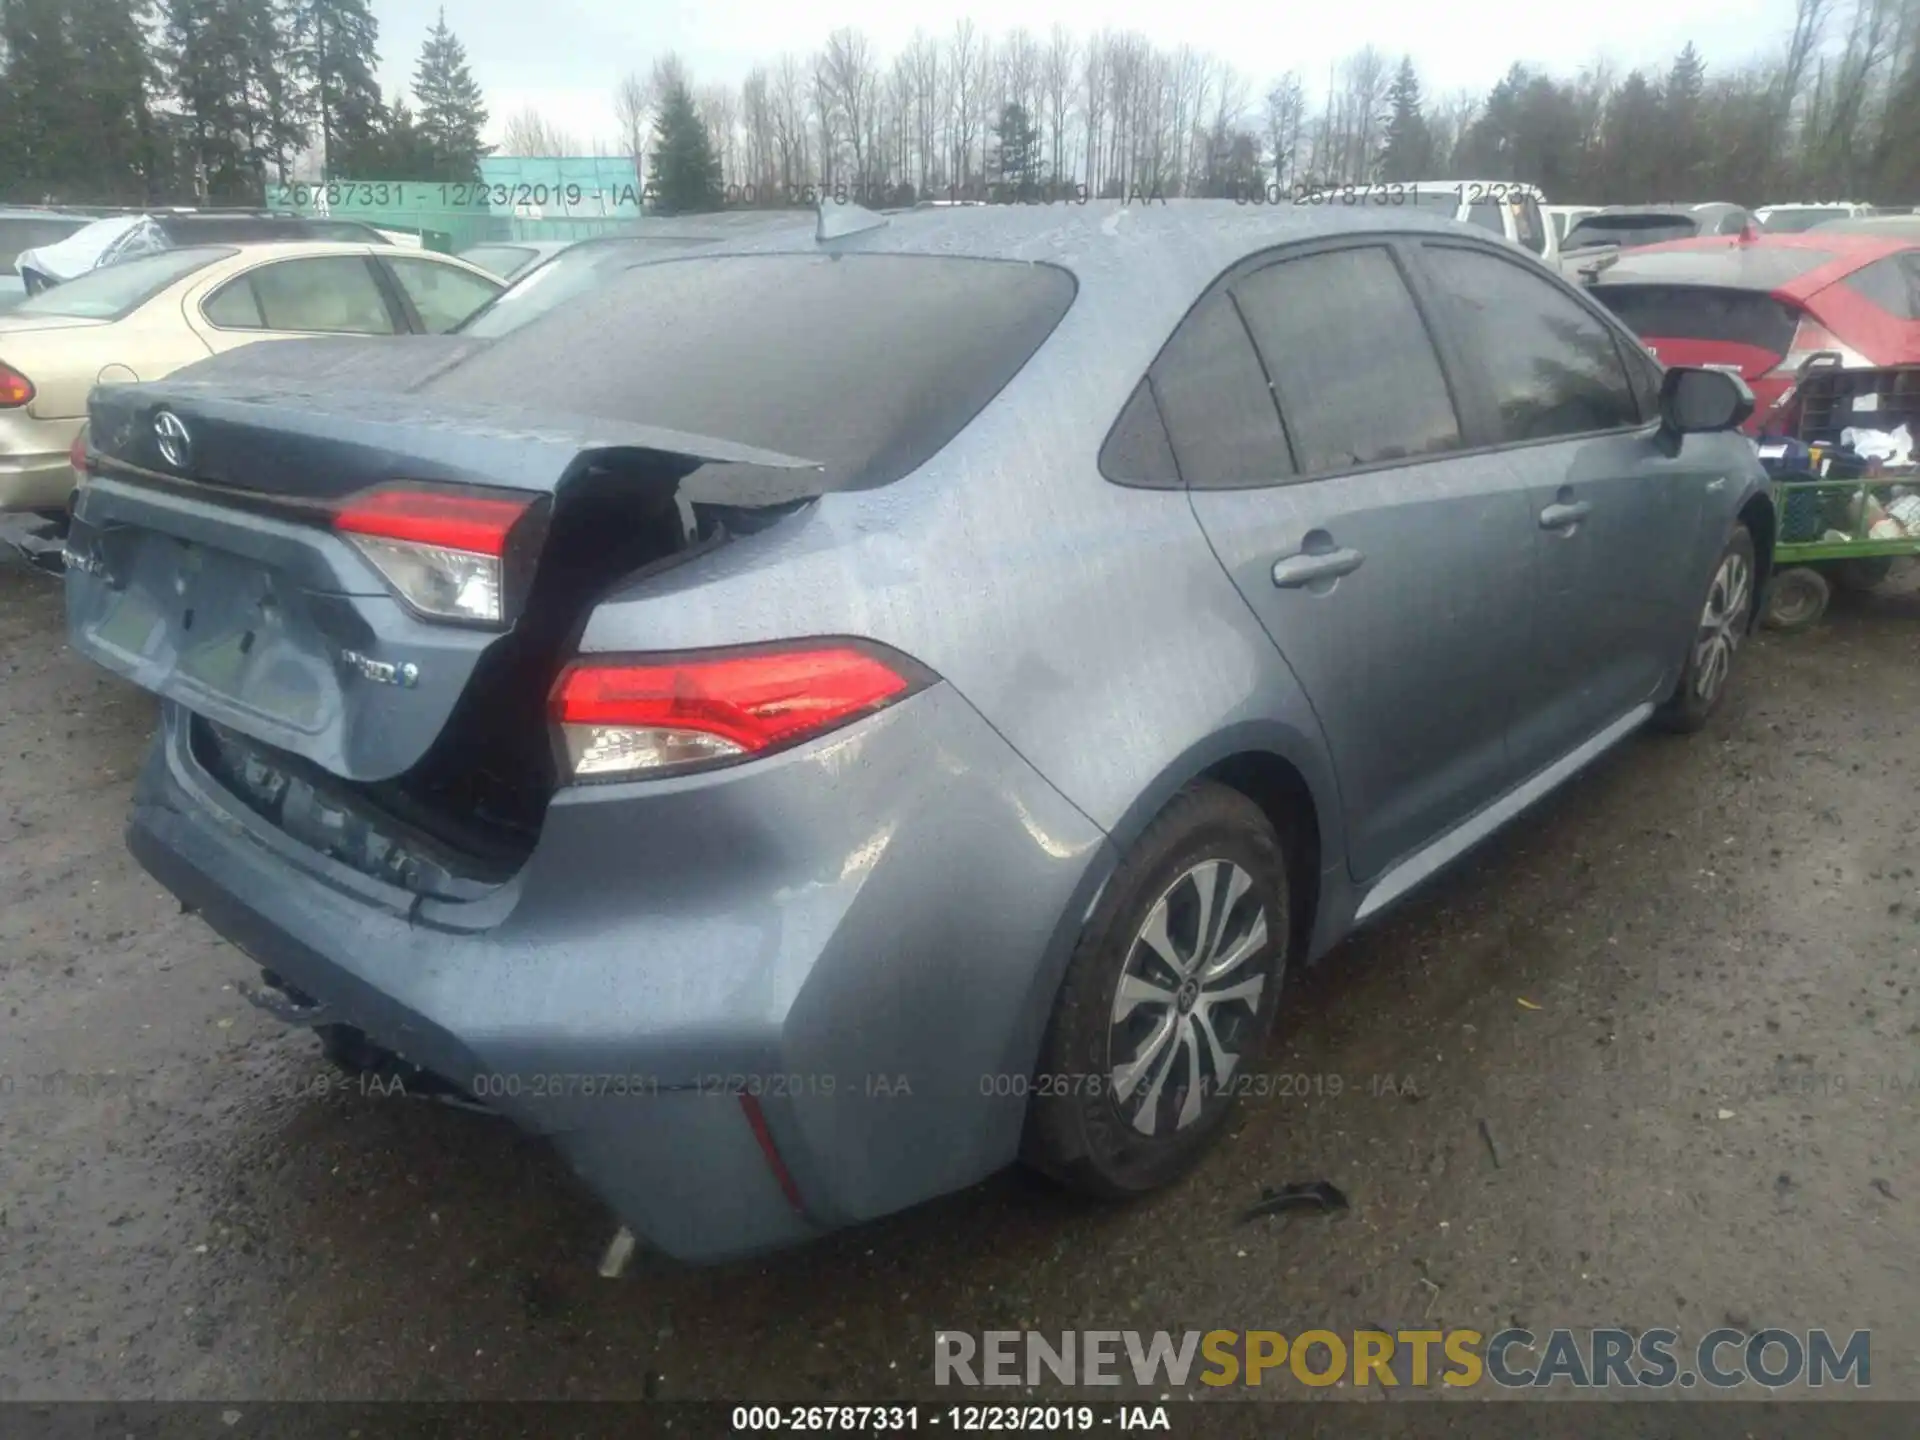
144,318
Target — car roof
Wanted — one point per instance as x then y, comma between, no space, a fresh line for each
1791,266
1883,225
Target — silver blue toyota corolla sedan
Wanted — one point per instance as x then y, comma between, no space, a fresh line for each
814,720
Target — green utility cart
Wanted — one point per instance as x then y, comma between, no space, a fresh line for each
1846,488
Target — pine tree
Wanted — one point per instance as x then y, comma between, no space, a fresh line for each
277,102
41,142
1680,110
209,54
1408,151
1016,154
335,51
686,171
116,130
452,110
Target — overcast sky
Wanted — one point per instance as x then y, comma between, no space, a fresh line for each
565,56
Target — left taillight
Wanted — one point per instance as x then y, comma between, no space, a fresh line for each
451,553
619,718
15,389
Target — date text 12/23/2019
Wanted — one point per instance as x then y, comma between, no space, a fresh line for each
958,1419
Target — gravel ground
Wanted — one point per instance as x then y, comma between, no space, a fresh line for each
1648,1059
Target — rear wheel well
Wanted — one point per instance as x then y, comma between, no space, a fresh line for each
1757,516
1283,796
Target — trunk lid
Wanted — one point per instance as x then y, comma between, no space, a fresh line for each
210,573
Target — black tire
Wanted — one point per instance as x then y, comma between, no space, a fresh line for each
1709,666
1080,1129
1859,576
1797,599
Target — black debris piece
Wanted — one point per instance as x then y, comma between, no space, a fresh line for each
1317,1195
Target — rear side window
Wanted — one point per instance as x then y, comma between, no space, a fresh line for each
1358,380
1553,369
1892,284
442,295
867,364
1137,451
328,295
1219,411
1700,312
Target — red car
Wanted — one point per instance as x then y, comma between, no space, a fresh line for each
1765,304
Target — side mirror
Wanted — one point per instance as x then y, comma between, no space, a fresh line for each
1695,401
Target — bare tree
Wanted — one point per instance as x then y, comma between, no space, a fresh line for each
759,161
1095,83
930,108
1286,123
1056,95
968,59
529,133
718,109
791,136
633,112
851,91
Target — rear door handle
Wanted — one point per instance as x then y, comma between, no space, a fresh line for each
1565,517
1298,570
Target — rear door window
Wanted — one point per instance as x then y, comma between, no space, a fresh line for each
1553,368
1219,411
328,295
1358,379
442,295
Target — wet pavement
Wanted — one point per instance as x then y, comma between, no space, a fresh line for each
1649,1059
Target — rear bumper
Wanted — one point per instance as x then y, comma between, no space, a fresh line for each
35,473
863,933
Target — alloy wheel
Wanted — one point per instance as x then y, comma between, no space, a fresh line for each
1183,1012
1722,623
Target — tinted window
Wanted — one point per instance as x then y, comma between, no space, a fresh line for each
234,307
864,363
19,233
1219,412
1137,451
116,290
1441,202
331,294
1892,284
1628,230
1553,368
443,295
1699,312
1350,357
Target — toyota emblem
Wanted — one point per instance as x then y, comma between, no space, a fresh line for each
176,446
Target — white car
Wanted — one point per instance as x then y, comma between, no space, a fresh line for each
1564,217
1511,208
1793,218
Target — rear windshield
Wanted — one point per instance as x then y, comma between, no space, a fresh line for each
502,260
1441,202
1626,230
255,229
867,364
30,232
537,290
1794,221
117,290
1691,312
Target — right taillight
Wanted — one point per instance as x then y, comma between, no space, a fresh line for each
631,718
15,389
